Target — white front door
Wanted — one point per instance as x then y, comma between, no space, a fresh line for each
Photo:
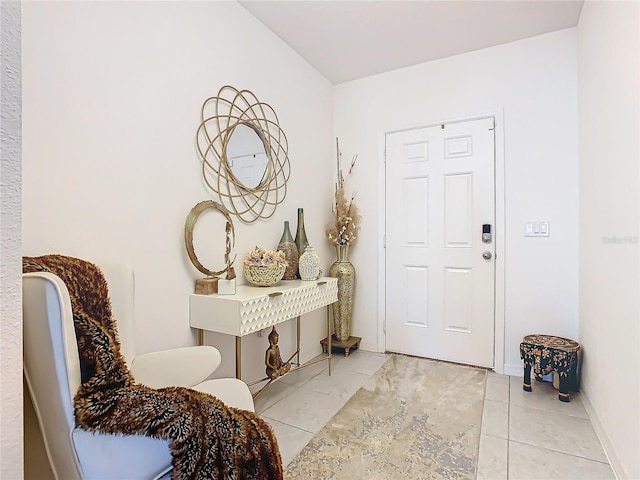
439,286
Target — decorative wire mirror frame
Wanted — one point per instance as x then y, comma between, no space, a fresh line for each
190,224
222,114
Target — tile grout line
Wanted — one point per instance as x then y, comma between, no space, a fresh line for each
484,398
560,452
289,425
484,403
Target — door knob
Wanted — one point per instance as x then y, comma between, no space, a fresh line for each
486,255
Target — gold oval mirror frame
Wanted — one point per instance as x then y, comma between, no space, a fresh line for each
190,224
219,118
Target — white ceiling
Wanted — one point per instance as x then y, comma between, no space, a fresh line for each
346,39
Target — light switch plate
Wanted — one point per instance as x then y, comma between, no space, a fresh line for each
536,229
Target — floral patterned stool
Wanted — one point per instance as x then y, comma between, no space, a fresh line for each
546,354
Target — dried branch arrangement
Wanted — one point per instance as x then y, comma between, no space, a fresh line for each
344,227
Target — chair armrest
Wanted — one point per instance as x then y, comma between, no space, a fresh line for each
179,367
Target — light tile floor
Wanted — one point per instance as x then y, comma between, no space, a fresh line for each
524,436
533,435
299,404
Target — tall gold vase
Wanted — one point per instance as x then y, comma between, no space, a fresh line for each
344,271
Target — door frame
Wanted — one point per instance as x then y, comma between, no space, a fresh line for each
500,223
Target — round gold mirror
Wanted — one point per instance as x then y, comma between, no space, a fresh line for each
244,153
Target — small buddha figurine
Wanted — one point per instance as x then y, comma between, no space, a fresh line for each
272,359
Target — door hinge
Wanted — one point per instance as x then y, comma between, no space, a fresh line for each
384,241
384,326
384,156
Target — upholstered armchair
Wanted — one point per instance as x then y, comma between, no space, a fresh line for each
52,372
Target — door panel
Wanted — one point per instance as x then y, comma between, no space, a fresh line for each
458,200
439,288
458,286
416,193
416,300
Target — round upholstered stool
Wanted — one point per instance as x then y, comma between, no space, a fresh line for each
547,353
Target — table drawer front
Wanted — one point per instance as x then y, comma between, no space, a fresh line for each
262,312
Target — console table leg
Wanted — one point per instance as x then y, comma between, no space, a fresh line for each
298,339
329,317
239,358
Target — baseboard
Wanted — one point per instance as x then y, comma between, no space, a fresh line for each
513,369
368,346
616,465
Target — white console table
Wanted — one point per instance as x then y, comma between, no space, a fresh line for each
254,308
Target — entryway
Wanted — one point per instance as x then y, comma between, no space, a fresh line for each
440,242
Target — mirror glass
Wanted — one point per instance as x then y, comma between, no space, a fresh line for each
247,156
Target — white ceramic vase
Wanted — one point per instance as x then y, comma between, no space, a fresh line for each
309,264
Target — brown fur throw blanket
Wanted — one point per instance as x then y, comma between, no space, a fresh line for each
208,440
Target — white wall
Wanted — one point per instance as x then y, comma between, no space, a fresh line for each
609,211
533,82
11,447
112,96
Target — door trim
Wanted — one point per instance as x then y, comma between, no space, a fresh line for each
499,185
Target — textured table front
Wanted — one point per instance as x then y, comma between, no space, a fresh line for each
253,308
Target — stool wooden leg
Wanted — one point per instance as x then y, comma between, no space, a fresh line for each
563,391
573,377
526,384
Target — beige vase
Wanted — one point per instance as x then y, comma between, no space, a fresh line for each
291,254
344,271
